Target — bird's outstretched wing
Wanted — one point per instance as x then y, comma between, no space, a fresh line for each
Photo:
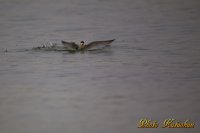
98,43
70,45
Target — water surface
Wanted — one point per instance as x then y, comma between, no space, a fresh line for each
152,70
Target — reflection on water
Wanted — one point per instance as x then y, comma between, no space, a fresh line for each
150,71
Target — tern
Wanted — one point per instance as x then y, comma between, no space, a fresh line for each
83,46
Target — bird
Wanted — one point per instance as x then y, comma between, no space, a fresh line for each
83,46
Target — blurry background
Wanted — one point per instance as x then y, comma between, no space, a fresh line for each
152,70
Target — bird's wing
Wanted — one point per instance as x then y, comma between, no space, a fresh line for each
70,45
98,43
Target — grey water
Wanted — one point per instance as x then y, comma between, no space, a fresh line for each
151,70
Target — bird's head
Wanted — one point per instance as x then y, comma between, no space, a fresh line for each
82,43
